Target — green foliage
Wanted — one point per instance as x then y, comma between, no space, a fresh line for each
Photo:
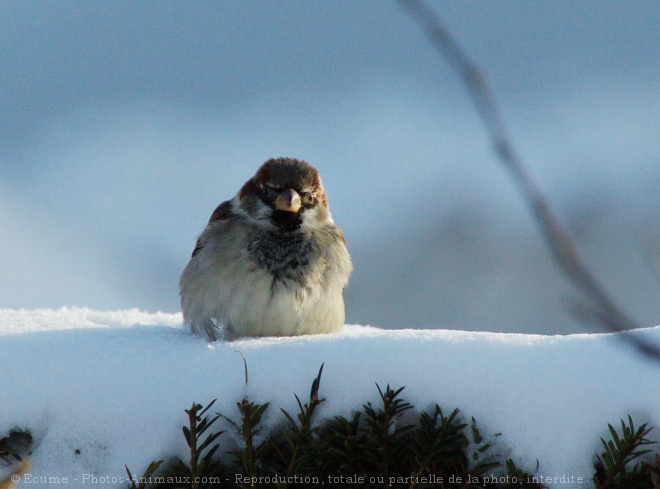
297,453
517,478
614,468
144,481
249,456
202,471
483,460
202,465
343,444
380,446
438,445
386,440
653,469
15,446
384,445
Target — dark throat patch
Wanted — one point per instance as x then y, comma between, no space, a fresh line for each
286,255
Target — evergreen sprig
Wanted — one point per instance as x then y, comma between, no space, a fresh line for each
438,445
202,470
613,466
13,449
482,459
145,481
250,456
14,446
198,425
385,440
653,469
383,445
298,453
343,442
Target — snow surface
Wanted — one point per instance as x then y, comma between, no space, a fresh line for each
113,385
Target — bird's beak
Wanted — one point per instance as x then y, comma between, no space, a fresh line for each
288,200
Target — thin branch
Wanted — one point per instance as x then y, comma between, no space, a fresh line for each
601,308
244,365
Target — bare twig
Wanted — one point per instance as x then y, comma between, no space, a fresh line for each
600,308
244,365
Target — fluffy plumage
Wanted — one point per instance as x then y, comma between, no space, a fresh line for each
270,262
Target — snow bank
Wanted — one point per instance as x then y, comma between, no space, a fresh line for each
102,389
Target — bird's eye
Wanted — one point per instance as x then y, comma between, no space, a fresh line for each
269,192
309,199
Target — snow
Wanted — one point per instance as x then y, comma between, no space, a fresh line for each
113,385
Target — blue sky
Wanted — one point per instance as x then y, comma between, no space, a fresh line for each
123,124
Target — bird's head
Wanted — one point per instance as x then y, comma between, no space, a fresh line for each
287,193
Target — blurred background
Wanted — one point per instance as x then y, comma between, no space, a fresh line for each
123,125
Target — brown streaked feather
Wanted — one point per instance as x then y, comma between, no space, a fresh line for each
222,212
282,173
249,188
318,186
198,247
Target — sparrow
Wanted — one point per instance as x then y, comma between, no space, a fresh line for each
270,262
